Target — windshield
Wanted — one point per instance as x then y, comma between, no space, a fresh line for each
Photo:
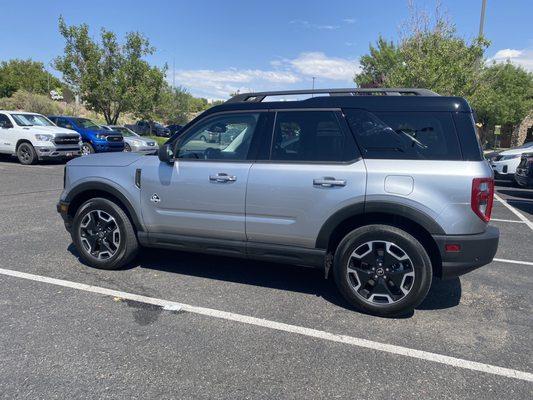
31,120
125,131
86,123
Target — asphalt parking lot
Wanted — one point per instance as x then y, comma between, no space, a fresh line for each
246,329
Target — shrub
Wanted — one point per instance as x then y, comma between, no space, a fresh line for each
31,102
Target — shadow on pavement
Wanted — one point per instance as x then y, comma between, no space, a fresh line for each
525,194
443,294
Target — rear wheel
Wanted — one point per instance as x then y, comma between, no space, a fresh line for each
382,270
104,235
26,154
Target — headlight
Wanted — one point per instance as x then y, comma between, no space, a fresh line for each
137,142
101,136
510,157
44,138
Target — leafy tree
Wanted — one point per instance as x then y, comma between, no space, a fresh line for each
377,66
27,75
111,78
431,55
506,95
174,106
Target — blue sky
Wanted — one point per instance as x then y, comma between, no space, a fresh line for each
221,46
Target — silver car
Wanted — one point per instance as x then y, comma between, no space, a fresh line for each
384,192
133,142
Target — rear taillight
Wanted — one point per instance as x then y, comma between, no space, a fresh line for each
482,197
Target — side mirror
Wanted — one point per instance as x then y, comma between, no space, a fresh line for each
166,154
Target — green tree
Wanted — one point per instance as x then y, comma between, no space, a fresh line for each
505,96
111,78
431,55
27,75
174,106
377,66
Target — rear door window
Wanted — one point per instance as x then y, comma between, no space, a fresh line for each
405,135
311,136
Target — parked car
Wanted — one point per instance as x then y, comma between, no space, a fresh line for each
134,142
32,137
174,128
505,162
385,191
146,128
524,172
95,138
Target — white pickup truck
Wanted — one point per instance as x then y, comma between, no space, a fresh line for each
33,137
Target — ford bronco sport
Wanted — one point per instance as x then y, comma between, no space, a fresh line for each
384,188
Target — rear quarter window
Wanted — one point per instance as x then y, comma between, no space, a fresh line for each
405,135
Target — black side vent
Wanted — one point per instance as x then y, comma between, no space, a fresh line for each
138,178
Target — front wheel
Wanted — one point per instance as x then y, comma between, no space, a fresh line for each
104,235
382,270
26,154
86,149
127,148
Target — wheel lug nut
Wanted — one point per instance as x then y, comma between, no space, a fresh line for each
384,276
375,277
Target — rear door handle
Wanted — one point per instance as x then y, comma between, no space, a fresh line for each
329,181
222,177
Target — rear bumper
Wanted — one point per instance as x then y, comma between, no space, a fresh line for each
475,251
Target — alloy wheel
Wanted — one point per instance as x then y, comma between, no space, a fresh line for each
100,234
380,272
25,154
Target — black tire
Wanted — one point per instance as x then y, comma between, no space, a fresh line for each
419,284
26,154
128,245
127,148
86,148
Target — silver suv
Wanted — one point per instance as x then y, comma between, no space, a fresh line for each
384,188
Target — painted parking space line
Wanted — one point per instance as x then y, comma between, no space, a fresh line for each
514,211
280,326
35,192
507,220
503,260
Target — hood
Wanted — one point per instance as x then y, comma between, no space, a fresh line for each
119,159
51,129
140,139
511,152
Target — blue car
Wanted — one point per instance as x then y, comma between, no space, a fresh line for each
95,138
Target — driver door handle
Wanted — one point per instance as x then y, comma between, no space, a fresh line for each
222,177
328,181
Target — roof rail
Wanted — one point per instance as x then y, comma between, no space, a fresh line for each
260,96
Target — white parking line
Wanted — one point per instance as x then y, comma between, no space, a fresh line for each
514,211
279,326
512,261
507,220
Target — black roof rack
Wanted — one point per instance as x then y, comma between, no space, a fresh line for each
260,96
